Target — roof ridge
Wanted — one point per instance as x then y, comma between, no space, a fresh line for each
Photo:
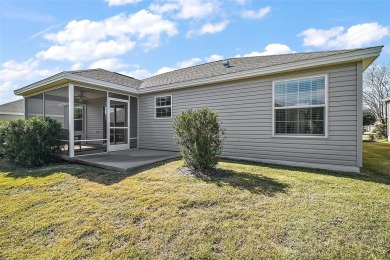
86,70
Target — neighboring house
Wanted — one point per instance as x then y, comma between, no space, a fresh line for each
387,102
302,109
12,110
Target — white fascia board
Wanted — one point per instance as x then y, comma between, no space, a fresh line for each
72,77
328,60
46,81
386,99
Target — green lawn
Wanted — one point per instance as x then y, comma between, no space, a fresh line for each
256,211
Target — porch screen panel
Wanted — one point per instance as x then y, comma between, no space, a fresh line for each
89,120
56,104
34,106
133,122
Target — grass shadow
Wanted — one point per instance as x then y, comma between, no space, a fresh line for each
90,173
368,175
253,183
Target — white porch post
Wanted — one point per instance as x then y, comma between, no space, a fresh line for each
128,122
71,120
108,135
25,108
44,109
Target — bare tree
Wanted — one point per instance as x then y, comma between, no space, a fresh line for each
376,88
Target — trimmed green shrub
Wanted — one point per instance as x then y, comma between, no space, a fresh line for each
31,142
200,138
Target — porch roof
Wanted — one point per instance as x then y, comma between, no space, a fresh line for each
98,77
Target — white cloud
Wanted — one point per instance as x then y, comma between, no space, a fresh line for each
187,9
209,28
108,64
180,65
165,8
76,66
188,63
195,8
89,40
213,28
7,92
164,70
271,49
213,57
138,73
356,36
250,14
121,2
241,2
15,74
28,70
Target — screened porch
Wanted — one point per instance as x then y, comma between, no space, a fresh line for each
88,127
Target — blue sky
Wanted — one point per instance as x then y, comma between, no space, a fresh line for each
143,38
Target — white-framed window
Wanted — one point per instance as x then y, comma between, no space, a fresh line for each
163,106
78,118
300,107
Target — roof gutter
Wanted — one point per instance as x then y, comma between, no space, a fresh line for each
65,76
352,56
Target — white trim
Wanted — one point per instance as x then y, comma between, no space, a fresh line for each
155,107
89,140
359,113
108,133
11,113
118,147
44,109
71,119
331,167
326,106
128,120
137,122
25,108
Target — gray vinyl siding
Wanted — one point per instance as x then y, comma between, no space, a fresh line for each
94,111
245,110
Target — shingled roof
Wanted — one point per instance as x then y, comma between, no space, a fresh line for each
235,65
201,72
13,107
108,76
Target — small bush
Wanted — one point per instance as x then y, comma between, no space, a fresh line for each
31,142
381,131
200,138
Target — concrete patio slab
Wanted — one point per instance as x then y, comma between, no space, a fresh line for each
125,160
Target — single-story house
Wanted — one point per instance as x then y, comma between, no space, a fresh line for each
301,109
387,102
12,110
